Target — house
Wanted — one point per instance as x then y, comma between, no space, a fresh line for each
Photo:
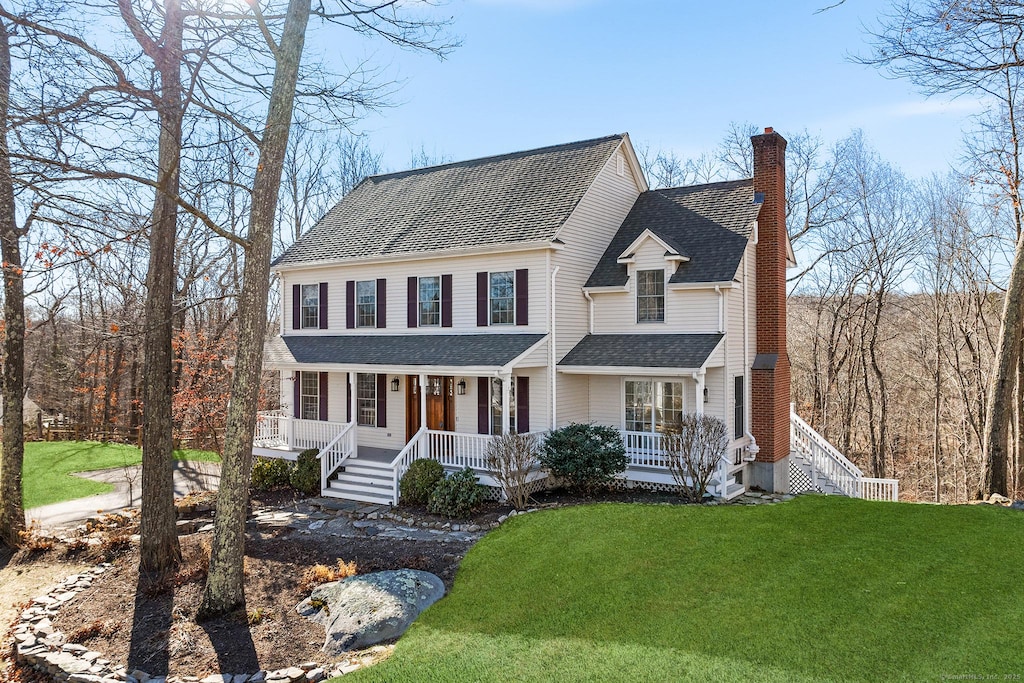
431,309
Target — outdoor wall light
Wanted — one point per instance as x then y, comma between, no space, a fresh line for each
461,387
705,394
394,384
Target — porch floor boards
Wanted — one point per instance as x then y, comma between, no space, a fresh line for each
374,454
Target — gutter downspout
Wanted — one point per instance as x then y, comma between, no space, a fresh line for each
590,318
552,353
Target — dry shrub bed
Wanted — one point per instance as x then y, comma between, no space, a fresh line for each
148,623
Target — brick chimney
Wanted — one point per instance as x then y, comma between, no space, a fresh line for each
770,374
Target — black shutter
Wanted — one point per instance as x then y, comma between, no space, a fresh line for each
522,404
323,305
382,303
522,297
412,319
446,301
348,396
483,405
382,398
296,307
297,411
350,304
481,299
323,395
738,417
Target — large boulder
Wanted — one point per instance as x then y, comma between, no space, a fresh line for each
364,610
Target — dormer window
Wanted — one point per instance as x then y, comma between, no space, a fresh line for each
650,296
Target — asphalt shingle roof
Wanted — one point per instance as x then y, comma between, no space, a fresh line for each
519,197
400,349
643,350
708,223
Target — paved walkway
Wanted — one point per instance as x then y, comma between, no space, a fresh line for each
189,477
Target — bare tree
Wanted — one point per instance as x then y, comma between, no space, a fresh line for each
693,449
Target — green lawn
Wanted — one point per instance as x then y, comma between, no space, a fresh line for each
47,475
819,588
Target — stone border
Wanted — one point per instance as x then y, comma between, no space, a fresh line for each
39,646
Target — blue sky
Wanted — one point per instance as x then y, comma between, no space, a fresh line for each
671,74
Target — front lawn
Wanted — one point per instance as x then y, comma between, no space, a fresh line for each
819,588
47,474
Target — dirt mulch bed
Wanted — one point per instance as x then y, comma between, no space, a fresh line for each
150,624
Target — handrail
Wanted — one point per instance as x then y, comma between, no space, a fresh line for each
801,428
401,462
335,458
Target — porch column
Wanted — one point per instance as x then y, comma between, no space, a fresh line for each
698,377
506,399
353,403
423,401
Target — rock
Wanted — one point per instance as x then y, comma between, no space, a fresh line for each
217,678
140,675
998,499
237,678
367,609
74,648
315,675
258,677
84,678
1017,505
308,666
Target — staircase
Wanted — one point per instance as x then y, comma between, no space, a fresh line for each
365,480
815,465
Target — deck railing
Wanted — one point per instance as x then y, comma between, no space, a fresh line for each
336,452
277,429
400,464
644,449
872,488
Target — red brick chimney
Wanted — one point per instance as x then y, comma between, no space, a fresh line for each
770,378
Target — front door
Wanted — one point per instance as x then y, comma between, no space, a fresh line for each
440,404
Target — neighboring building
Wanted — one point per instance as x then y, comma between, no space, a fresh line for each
431,309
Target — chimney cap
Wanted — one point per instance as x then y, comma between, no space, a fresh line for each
768,130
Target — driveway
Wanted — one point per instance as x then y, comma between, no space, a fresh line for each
189,477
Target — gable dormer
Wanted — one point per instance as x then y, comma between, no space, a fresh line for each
673,254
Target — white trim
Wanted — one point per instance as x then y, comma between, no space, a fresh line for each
634,163
422,256
728,284
515,311
626,370
653,379
664,296
608,288
440,304
670,252
356,304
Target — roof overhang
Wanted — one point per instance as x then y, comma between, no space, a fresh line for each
671,253
504,248
700,285
625,354
627,370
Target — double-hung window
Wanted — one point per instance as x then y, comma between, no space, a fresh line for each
366,399
496,406
429,301
502,298
309,395
310,301
366,303
652,405
650,296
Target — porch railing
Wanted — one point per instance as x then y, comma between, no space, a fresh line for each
277,429
336,452
400,464
644,449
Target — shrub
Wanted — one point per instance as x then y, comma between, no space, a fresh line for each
693,449
511,458
305,476
420,480
456,496
270,473
586,456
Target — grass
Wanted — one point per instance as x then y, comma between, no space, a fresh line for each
816,589
47,476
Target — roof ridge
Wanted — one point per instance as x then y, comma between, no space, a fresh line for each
704,186
496,157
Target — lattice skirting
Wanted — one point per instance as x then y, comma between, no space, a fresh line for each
656,487
799,480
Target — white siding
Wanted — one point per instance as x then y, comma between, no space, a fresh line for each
606,400
463,270
573,399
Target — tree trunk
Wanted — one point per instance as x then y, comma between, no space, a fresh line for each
1002,390
225,590
12,513
158,530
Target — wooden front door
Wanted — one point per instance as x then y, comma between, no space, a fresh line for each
441,403
412,406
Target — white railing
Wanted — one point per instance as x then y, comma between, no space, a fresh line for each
271,429
275,429
336,452
453,449
644,449
826,460
400,464
871,488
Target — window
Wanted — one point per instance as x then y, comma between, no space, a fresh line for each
738,417
502,296
652,406
496,406
309,395
650,296
366,399
366,303
310,313
430,301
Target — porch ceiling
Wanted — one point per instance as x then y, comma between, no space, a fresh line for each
390,351
675,351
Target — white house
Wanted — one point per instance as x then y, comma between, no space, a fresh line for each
434,308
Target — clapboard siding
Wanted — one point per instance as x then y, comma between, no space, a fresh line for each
463,270
573,399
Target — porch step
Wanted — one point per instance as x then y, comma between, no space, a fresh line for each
734,491
370,469
361,496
